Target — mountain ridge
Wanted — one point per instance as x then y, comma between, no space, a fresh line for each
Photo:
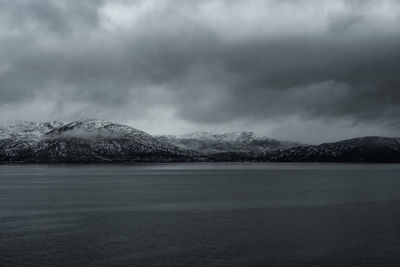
94,140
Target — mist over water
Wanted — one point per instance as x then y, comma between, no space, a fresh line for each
200,214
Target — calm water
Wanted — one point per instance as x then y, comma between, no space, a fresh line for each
200,215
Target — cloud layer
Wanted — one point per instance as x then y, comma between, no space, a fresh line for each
306,70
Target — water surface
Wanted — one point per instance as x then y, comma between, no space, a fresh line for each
200,215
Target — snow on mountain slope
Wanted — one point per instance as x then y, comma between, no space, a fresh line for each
85,141
244,142
27,129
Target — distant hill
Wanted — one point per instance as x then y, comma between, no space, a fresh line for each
234,142
363,149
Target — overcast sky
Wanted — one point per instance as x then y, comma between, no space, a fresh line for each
307,70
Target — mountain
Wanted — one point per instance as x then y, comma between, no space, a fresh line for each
101,141
363,149
85,141
234,142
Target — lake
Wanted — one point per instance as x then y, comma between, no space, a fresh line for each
237,214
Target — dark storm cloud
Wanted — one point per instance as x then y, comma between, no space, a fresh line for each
319,77
205,62
48,15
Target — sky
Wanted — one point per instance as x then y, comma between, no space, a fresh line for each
307,70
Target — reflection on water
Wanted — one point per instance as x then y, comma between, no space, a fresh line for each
200,214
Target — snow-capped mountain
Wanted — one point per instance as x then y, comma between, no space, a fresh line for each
209,143
101,141
84,141
363,149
